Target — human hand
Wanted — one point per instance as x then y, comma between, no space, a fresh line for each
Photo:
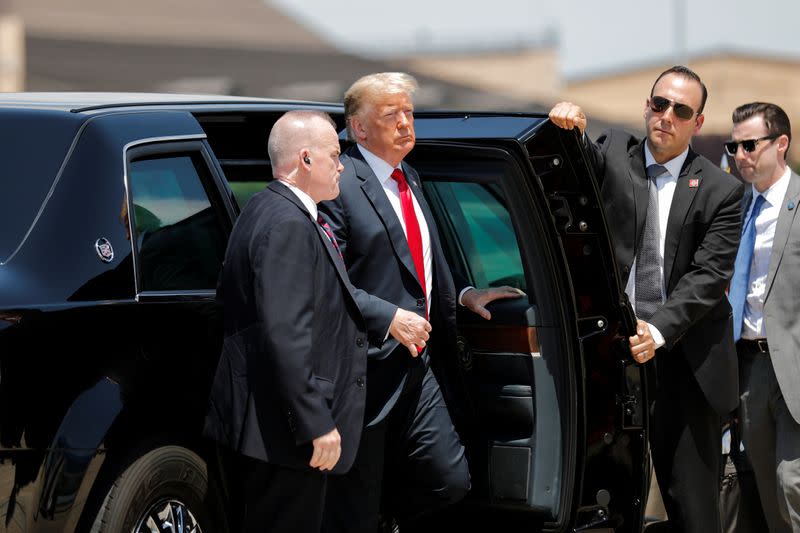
410,330
476,299
643,347
327,450
567,115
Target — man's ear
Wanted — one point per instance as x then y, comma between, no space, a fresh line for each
783,145
357,127
698,123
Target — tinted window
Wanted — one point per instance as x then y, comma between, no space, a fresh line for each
179,237
482,243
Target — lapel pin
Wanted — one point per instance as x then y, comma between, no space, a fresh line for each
694,183
790,205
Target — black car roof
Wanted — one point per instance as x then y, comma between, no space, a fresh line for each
78,102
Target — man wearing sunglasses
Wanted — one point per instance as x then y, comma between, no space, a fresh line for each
766,309
674,219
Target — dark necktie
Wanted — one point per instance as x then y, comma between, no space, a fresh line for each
413,234
740,282
329,232
648,264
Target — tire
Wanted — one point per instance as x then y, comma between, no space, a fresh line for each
167,484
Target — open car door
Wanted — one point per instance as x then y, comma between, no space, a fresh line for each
551,408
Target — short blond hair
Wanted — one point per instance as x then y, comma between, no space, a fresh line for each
366,88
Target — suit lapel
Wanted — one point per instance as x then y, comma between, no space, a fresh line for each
284,191
377,196
682,200
415,185
782,229
337,261
640,194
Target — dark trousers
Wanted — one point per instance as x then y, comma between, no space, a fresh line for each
276,499
410,463
686,445
771,439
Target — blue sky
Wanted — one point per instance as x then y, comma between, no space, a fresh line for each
592,36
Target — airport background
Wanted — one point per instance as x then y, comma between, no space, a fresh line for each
521,55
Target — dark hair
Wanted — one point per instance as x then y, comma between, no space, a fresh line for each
775,118
686,72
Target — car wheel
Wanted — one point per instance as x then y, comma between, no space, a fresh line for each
166,489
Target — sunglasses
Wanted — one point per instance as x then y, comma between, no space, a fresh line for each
749,145
659,104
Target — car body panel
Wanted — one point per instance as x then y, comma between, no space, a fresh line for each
79,335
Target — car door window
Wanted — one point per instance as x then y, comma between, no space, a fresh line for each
482,244
179,237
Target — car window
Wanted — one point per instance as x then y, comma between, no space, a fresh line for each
179,236
481,243
244,190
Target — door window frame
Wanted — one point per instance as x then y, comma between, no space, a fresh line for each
196,147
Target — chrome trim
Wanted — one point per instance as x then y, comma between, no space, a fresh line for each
188,293
126,184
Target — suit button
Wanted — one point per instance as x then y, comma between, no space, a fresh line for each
359,342
421,303
626,269
360,381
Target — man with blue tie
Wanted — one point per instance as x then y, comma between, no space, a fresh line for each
765,296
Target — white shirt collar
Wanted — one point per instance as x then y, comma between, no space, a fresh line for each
673,166
382,169
305,199
777,192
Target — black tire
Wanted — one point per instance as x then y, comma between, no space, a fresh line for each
169,478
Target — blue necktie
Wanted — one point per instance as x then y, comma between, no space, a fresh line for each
741,270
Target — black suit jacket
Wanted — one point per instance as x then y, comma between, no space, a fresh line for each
294,353
702,238
379,262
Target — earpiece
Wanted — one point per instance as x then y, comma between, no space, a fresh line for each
307,160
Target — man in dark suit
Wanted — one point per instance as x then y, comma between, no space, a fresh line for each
289,390
674,219
765,297
390,244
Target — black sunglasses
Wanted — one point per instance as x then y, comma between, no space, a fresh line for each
659,104
748,145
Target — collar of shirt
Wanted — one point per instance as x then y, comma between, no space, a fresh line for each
305,199
776,193
673,166
382,169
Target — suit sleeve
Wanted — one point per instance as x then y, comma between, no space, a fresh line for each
284,262
701,288
596,155
378,313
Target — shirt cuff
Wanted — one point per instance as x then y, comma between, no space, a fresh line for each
658,338
461,294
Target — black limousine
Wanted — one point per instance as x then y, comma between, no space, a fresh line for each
115,210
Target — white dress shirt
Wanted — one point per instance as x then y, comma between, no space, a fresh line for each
753,325
305,199
666,190
383,171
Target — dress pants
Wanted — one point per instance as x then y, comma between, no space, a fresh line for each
277,499
408,464
771,438
686,447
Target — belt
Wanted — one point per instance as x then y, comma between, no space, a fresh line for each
754,345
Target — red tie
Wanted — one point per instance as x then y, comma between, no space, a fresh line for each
413,235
